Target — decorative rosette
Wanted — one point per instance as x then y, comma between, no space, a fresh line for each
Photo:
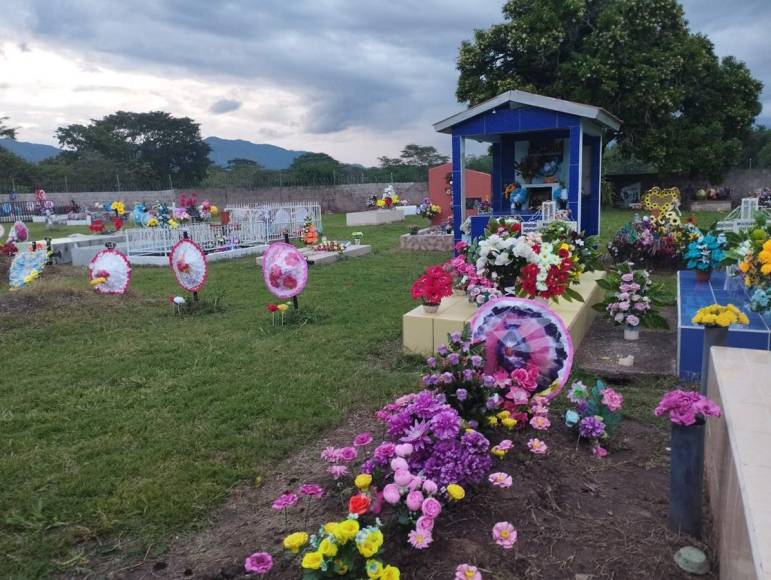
285,270
188,262
109,272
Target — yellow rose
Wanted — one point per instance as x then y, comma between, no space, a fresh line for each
330,528
765,269
363,481
767,246
764,257
312,561
744,266
367,548
346,530
390,573
294,542
456,492
328,548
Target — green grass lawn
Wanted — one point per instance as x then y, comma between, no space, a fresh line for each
122,423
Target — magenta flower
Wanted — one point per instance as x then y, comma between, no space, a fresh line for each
362,439
347,454
685,407
285,500
467,572
420,539
430,487
500,479
599,451
311,490
258,563
329,454
505,445
402,477
504,535
611,399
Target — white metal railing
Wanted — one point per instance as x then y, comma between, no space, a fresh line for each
744,217
250,224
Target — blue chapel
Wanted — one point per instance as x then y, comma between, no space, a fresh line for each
542,149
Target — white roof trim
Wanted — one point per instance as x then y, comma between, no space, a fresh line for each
597,114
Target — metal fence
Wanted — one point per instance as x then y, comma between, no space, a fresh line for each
10,211
250,225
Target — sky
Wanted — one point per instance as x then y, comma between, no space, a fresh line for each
354,78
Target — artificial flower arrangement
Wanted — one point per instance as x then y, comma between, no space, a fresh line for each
525,264
686,407
631,297
309,234
751,252
428,210
432,286
331,246
357,237
595,414
389,199
705,253
277,308
649,240
119,208
716,315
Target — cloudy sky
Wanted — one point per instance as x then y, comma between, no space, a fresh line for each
354,78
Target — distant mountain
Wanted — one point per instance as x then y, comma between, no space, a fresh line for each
269,156
33,152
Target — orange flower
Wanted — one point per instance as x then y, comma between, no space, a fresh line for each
358,504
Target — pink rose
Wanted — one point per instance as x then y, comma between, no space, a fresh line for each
425,524
391,494
430,487
347,454
431,508
402,477
416,483
414,500
398,463
404,449
611,399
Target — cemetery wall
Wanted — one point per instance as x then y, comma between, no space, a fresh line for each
333,198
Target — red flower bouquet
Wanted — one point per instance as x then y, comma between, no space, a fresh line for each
432,286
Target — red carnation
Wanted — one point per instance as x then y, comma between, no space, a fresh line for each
272,308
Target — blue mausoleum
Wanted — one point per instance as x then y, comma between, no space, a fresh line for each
542,148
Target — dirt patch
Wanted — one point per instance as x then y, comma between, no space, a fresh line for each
575,514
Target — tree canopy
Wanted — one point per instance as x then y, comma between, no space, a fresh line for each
6,132
413,155
684,110
171,147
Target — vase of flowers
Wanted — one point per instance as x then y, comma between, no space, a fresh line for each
428,210
687,412
705,254
431,287
631,299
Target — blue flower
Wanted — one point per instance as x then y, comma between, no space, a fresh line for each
571,418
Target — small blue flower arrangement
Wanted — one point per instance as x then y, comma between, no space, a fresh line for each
705,253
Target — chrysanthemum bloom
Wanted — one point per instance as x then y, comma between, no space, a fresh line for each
500,479
285,500
362,439
259,563
419,539
537,446
312,490
338,471
591,427
467,572
504,535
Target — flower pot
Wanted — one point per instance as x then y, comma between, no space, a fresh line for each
357,241
686,477
430,308
632,333
703,275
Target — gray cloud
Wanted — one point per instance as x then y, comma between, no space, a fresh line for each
225,106
386,67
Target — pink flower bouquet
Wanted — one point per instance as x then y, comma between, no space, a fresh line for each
686,407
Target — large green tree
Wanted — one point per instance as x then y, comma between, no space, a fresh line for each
171,146
414,156
684,110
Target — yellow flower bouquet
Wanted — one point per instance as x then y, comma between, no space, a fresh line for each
719,316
